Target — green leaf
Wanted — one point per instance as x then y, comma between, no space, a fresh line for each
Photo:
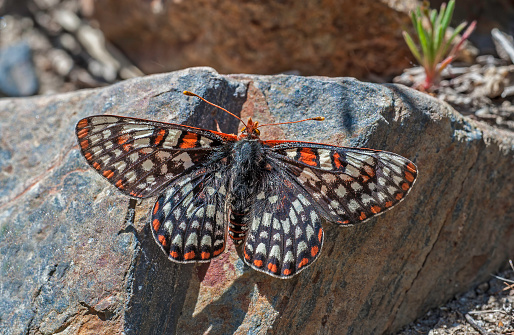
412,47
424,43
456,32
447,17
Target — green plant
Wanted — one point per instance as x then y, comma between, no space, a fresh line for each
431,30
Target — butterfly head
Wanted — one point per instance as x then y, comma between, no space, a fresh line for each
250,130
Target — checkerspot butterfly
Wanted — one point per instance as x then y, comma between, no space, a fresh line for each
269,196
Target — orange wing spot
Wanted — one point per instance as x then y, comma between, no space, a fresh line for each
189,141
411,167
205,255
108,174
119,184
405,186
399,196
155,208
257,263
84,144
134,194
246,255
303,263
88,156
219,251
286,272
272,267
96,165
160,136
344,222
82,123
365,178
190,255
409,177
375,209
162,240
320,234
156,224
389,204
174,254
314,251
308,157
82,133
122,139
337,162
369,170
127,147
363,216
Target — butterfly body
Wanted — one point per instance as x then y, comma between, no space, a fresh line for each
269,196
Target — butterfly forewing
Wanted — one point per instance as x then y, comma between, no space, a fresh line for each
350,185
141,157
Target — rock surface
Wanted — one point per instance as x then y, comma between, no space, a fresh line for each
341,38
69,264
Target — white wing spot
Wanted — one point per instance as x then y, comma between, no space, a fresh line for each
288,257
211,209
192,239
275,252
141,143
340,191
261,249
273,199
298,232
356,186
366,199
325,159
353,205
133,156
171,140
184,159
286,225
266,219
103,119
302,246
131,176
206,240
297,206
147,165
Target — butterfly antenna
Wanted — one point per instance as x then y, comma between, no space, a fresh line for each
317,118
191,94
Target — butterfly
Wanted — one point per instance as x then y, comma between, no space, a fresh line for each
268,195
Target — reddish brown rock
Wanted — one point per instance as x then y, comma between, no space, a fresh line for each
69,263
339,38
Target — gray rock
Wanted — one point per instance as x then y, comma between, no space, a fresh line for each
69,264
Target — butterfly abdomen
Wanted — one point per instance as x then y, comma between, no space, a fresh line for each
246,174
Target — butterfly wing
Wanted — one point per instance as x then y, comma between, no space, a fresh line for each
189,219
141,157
285,234
350,185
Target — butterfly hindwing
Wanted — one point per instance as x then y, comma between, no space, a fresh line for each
284,234
189,219
350,185
140,157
